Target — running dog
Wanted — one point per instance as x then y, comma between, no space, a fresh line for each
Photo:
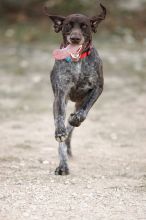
77,75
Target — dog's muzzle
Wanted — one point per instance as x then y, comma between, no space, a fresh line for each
75,39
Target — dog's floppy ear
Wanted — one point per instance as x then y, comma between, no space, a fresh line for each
57,20
97,19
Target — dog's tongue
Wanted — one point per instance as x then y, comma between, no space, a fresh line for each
60,54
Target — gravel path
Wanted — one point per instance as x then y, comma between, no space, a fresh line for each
108,170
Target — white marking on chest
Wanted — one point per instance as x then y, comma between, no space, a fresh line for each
77,69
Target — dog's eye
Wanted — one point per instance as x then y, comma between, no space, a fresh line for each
68,27
84,26
71,24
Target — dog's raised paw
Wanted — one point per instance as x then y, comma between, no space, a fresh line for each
62,171
60,134
77,118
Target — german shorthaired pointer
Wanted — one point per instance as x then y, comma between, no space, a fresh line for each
77,76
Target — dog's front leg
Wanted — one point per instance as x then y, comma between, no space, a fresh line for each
62,169
79,116
91,99
59,117
60,132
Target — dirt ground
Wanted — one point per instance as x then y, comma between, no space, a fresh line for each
108,169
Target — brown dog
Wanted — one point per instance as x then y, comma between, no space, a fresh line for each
78,77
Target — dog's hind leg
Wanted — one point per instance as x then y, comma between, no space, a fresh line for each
64,152
70,129
62,169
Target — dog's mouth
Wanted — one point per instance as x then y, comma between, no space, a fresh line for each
75,50
72,50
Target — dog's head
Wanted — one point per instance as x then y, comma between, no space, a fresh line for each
77,28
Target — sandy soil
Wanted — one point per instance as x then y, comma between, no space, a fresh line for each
108,170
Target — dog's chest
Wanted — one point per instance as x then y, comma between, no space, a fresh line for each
83,75
76,71
83,79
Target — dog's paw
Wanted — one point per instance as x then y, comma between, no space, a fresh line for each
62,171
77,118
61,134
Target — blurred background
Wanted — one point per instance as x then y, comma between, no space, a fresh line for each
25,20
113,163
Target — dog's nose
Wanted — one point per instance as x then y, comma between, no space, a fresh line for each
75,39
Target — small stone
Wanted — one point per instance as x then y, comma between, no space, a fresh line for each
74,194
67,182
19,183
36,79
22,163
45,162
73,181
88,186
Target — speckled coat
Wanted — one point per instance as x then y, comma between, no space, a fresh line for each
78,79
80,82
